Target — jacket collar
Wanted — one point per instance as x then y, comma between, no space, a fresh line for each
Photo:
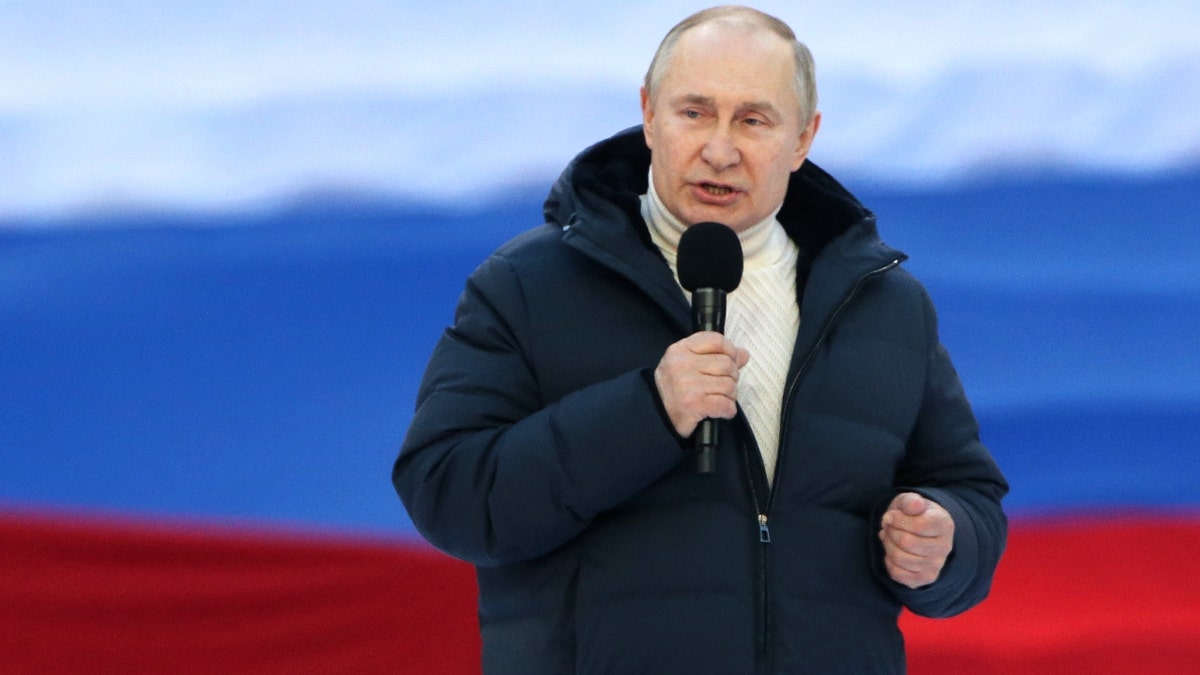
596,202
602,184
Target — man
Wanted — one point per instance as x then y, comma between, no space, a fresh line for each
550,444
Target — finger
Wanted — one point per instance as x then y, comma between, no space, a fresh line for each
935,523
914,544
723,407
926,528
917,564
742,358
914,562
911,578
709,342
718,365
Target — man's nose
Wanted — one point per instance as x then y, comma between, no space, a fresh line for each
720,151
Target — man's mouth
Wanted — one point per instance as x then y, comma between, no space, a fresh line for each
716,190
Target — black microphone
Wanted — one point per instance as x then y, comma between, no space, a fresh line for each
710,266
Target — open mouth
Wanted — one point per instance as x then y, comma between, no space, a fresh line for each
716,190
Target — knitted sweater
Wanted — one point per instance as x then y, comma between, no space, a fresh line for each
761,314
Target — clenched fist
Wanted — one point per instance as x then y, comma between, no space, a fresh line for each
917,535
697,378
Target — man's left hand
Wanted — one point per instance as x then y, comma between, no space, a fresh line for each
917,535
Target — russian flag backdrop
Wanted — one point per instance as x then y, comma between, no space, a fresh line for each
219,288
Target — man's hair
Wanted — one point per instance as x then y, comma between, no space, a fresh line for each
805,82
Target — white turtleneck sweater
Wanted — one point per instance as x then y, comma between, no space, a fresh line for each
761,315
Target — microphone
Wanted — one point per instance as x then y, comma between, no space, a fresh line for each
709,264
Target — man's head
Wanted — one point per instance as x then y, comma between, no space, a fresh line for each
729,112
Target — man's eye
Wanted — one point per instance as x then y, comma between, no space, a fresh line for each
692,114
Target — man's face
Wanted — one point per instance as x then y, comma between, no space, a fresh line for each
724,126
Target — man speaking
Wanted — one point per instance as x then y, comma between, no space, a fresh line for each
552,444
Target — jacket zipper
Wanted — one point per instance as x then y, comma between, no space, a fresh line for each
764,538
808,359
763,509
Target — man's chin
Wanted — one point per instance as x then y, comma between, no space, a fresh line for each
710,214
729,220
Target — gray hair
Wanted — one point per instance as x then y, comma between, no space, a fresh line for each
806,77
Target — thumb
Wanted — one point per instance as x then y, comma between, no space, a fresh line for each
910,503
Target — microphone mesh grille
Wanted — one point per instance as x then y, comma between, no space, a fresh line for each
710,256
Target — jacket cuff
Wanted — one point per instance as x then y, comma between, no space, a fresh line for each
685,443
947,595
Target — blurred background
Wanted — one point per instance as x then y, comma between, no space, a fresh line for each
231,232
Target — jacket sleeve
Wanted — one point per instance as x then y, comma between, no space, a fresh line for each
492,474
947,463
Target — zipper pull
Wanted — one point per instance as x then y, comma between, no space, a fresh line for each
764,535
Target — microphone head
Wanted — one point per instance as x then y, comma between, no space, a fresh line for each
710,256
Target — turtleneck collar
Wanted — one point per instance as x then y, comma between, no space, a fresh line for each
763,244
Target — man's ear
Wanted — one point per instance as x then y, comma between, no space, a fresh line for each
806,140
647,118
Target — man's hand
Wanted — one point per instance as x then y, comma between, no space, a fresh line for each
917,535
697,378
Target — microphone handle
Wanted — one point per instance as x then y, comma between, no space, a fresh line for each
708,314
706,446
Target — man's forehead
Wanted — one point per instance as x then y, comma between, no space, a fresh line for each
730,29
739,64
711,51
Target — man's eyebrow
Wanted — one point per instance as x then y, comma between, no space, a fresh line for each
765,107
696,99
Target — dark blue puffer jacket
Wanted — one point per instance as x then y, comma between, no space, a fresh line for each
540,452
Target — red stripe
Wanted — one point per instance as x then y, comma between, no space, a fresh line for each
88,595
105,597
1085,595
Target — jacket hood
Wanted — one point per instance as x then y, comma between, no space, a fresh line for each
613,173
